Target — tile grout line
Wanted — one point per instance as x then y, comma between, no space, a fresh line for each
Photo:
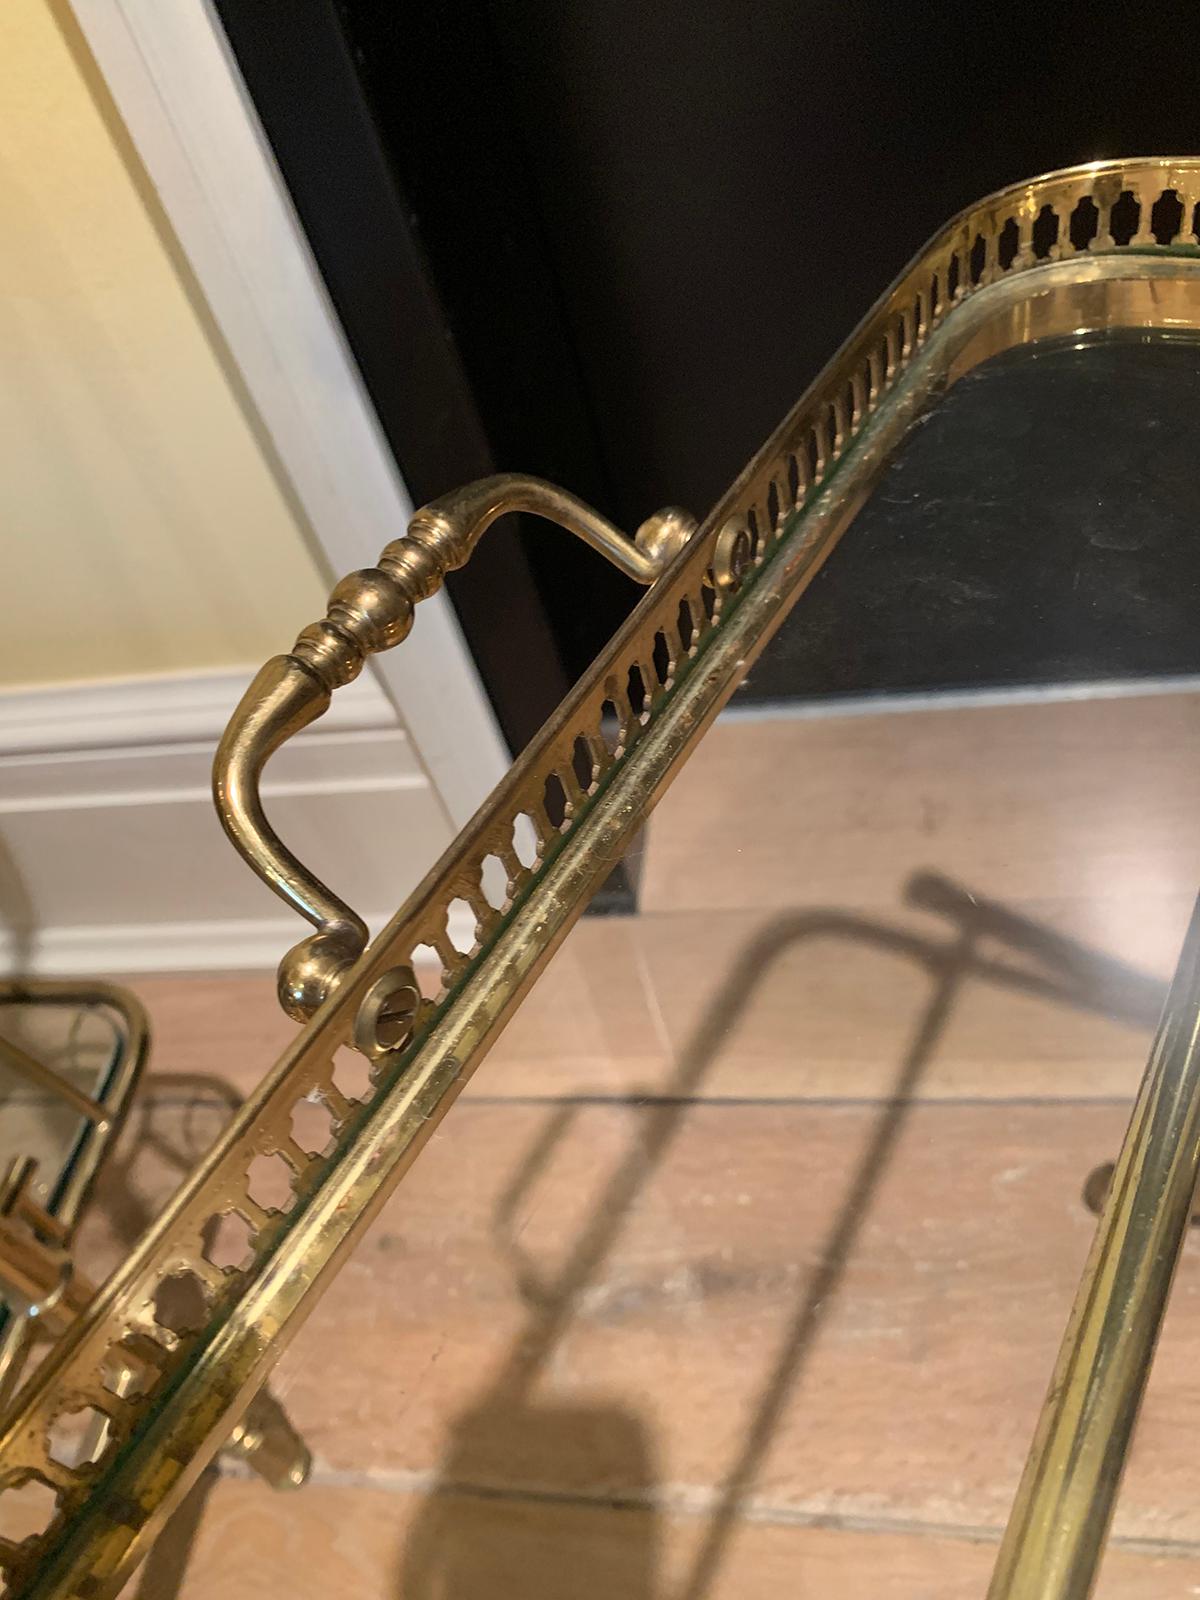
697,1503
637,1099
820,1102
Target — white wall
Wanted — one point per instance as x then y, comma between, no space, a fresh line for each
142,527
184,443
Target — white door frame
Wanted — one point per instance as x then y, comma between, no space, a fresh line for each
171,74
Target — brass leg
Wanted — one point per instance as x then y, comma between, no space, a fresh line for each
266,1441
1055,1536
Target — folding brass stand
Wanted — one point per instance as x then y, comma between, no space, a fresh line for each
42,1291
1104,247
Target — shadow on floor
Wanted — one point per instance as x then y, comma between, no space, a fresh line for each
466,1545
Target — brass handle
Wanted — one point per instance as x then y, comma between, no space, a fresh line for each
369,611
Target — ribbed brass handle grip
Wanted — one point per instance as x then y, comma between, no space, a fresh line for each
368,611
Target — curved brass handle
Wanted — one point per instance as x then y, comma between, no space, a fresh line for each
368,611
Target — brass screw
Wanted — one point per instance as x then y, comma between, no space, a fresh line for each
388,1014
733,555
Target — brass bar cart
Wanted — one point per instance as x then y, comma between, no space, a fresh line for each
1111,246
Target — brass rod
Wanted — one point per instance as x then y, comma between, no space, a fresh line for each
40,1280
1056,1532
17,1201
35,1071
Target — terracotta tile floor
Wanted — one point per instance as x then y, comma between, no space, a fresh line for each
740,1267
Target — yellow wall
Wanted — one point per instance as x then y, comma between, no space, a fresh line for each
141,528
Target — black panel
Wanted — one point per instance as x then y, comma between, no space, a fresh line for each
1039,527
634,232
728,187
436,84
307,91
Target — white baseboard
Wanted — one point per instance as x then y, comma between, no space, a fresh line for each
234,945
111,857
163,709
244,945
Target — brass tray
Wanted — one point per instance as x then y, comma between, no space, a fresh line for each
1111,246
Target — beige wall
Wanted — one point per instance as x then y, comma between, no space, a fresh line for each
141,527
